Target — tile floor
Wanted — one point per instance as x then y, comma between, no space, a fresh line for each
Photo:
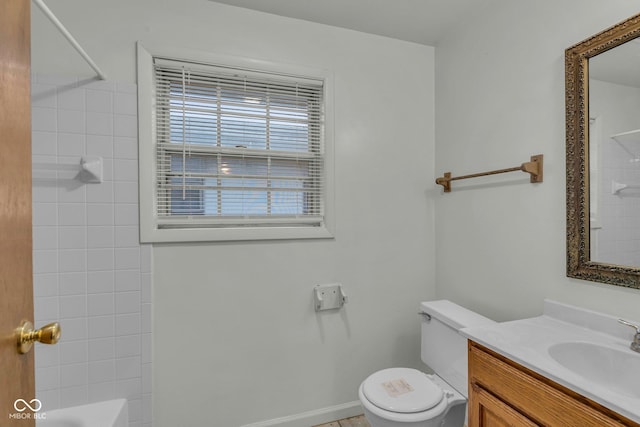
358,421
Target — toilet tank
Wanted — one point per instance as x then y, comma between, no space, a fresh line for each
443,349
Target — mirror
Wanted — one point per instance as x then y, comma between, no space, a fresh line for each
603,156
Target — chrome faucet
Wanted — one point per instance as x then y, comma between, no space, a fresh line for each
635,344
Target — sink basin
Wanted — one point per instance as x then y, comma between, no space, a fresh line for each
616,369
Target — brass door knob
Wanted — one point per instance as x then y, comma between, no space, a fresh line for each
48,334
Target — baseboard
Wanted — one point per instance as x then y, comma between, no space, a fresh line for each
311,418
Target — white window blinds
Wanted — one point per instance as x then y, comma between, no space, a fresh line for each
236,147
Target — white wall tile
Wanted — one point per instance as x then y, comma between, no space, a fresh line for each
73,396
102,348
43,95
100,281
70,260
147,409
71,98
100,145
72,237
100,237
127,258
131,387
73,352
99,392
128,367
45,237
126,214
45,214
50,398
73,306
99,101
44,143
145,287
147,376
71,144
125,125
100,214
127,324
44,119
72,214
102,370
125,170
127,280
128,302
71,121
100,259
75,329
70,192
47,355
74,374
107,169
99,123
45,261
101,304
46,308
135,412
146,258
102,326
73,283
87,256
145,318
125,192
45,285
43,192
127,237
127,346
100,193
125,148
126,103
48,378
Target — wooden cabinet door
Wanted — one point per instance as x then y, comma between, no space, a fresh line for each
486,410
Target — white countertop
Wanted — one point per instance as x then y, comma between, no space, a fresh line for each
527,342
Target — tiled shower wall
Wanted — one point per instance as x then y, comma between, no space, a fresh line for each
90,272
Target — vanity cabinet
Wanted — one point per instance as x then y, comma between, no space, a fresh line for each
504,393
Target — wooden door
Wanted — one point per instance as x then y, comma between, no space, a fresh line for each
16,276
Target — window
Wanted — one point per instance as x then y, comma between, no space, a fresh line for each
236,153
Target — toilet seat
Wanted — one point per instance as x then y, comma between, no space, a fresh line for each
402,391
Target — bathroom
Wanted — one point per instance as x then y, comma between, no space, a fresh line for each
241,343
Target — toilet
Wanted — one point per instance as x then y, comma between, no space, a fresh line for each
405,397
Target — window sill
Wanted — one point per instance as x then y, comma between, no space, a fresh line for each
154,235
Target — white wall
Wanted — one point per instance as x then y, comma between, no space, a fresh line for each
236,337
500,99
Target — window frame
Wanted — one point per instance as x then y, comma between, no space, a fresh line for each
150,231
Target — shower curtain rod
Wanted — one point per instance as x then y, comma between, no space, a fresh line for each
69,37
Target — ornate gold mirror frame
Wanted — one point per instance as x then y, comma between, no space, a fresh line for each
579,264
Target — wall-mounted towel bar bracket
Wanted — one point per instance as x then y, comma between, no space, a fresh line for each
534,168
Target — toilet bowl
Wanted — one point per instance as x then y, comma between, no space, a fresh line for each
405,397
408,397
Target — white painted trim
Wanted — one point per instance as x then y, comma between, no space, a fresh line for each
318,416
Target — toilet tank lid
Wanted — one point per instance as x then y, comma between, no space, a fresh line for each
453,315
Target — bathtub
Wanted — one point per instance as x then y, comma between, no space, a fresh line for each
110,413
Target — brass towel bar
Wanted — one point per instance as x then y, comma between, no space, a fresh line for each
533,167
